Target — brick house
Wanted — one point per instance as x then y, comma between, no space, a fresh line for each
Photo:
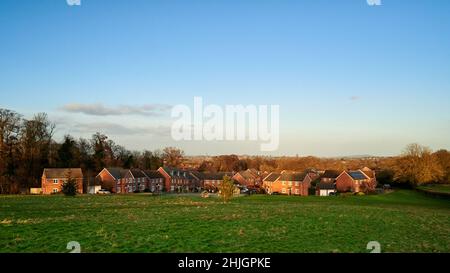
329,176
135,180
155,181
269,180
250,178
290,183
177,180
325,183
53,179
212,181
112,179
354,181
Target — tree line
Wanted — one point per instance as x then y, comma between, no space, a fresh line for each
27,146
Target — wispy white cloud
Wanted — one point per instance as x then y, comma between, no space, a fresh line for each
66,125
99,109
355,98
118,129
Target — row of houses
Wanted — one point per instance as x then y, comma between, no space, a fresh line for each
325,183
119,180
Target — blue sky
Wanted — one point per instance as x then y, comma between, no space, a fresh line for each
350,78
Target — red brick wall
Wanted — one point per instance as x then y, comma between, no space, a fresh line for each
48,185
245,182
344,183
306,185
107,181
167,179
302,187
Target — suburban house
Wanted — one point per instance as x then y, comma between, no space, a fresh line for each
119,180
290,183
135,180
354,181
53,179
111,179
249,178
212,181
177,180
329,176
155,181
268,181
326,183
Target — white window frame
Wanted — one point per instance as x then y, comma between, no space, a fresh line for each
55,190
55,181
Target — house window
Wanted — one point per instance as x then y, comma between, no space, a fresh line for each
283,183
283,190
290,183
297,183
55,181
296,191
55,190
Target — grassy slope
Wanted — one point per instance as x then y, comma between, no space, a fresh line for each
437,188
403,221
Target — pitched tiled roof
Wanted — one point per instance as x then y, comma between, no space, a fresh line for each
153,174
272,177
292,176
137,173
215,176
63,173
248,174
117,173
179,174
196,175
331,174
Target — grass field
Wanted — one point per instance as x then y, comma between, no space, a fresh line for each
445,188
402,221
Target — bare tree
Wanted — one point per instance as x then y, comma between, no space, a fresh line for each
9,152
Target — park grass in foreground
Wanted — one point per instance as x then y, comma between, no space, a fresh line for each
440,188
402,221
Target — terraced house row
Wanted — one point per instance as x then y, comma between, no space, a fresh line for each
119,180
320,183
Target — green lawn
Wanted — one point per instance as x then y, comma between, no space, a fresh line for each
402,221
436,188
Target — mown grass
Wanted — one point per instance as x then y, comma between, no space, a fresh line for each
445,188
402,221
